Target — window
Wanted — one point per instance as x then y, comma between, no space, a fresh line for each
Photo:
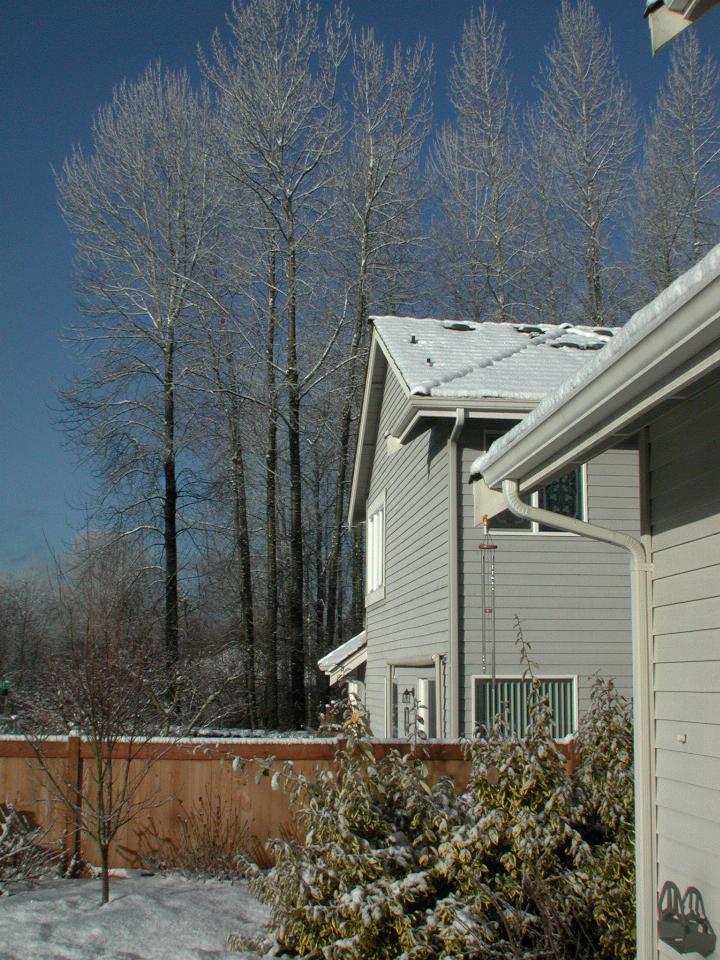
375,551
508,697
565,495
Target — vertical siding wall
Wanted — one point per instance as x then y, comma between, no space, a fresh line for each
412,620
684,464
571,594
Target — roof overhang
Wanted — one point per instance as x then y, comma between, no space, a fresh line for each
663,352
378,362
344,659
415,414
668,18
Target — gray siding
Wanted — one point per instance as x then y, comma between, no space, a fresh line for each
412,619
684,472
572,595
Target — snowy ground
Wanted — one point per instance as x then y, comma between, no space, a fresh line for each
148,918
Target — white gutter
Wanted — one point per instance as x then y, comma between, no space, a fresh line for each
663,350
643,735
453,580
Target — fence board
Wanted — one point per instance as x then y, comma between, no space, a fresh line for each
182,773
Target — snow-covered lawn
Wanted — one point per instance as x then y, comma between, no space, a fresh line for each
148,918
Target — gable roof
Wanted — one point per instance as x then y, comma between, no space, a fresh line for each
476,366
471,361
667,346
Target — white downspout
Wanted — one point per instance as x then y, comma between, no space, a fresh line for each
643,735
454,672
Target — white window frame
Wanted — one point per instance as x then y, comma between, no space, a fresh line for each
375,527
573,677
534,529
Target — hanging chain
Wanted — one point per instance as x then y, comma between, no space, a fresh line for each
487,596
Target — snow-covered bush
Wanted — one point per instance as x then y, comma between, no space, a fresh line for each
542,864
25,856
361,882
529,862
605,797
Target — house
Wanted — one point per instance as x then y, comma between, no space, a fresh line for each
437,394
668,18
657,386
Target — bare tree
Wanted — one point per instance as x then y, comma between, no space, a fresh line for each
378,229
591,127
107,684
478,164
25,612
142,207
549,281
278,81
678,183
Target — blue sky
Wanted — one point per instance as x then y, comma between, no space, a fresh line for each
60,60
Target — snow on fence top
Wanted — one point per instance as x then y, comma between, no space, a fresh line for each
514,361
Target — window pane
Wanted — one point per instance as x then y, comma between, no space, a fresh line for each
508,521
563,496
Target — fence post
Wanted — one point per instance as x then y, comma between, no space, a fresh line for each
73,812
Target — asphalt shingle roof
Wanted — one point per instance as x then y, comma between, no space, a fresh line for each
456,360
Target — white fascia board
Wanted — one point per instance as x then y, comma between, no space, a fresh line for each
477,409
378,359
347,666
665,25
697,8
667,21
666,358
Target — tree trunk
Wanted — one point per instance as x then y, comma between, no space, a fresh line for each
242,551
271,604
331,619
104,851
296,614
357,603
318,692
170,503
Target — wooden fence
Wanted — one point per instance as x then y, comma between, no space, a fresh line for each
181,774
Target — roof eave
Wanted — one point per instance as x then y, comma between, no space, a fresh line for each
664,361
379,360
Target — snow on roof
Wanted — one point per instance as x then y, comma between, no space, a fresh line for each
458,359
331,661
641,325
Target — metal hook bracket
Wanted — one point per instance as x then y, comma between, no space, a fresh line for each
682,921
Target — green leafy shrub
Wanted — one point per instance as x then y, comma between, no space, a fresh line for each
360,884
528,863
